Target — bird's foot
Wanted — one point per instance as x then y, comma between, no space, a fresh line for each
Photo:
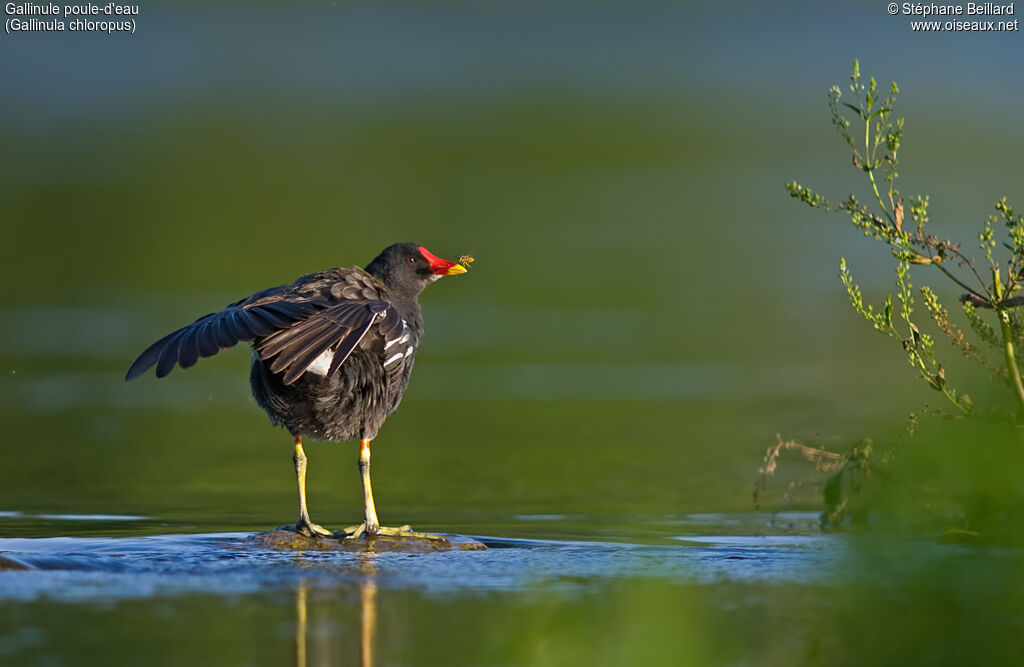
310,529
353,532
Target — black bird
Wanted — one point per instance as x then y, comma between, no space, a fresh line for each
332,354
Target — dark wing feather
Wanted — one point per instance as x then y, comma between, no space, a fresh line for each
313,336
244,321
341,318
388,318
340,327
392,326
346,346
296,337
274,319
188,350
169,355
295,365
235,327
222,336
290,325
255,324
292,311
208,345
149,356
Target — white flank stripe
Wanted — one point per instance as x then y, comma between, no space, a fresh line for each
394,358
404,338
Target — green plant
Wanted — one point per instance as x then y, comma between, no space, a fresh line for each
871,130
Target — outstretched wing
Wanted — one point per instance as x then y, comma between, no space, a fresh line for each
243,321
290,326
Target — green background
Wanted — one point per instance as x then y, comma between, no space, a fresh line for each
647,310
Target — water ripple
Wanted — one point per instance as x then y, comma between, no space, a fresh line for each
71,568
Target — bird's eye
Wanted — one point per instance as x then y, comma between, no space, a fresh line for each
410,260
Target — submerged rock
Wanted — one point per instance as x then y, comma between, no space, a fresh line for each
9,564
286,538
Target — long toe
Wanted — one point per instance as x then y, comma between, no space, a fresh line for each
364,528
407,531
352,532
310,529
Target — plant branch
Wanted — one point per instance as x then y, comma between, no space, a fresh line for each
959,282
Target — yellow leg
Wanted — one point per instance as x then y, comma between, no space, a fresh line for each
370,525
305,524
370,522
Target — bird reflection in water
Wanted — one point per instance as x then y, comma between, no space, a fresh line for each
367,616
368,604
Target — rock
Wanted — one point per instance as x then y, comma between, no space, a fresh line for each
8,565
286,538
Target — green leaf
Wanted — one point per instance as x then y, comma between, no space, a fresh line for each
855,109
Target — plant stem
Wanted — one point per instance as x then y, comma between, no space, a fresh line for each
1004,326
878,196
1011,358
869,156
928,378
958,281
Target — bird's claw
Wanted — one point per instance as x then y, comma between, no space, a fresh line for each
354,532
310,529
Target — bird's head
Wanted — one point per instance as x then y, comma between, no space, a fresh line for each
409,267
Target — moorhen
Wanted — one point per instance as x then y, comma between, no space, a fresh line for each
332,354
